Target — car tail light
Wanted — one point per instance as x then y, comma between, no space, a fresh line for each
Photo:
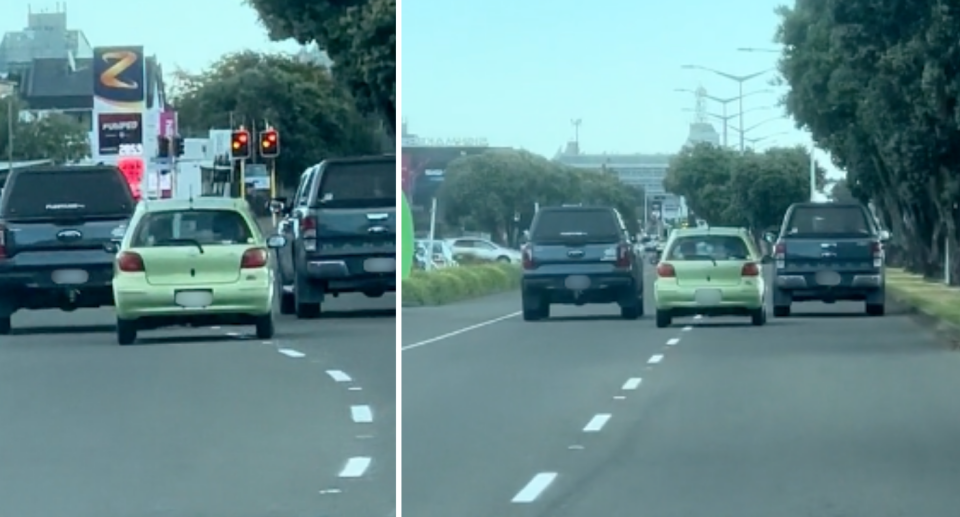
750,269
665,270
876,248
526,255
3,242
308,232
254,258
624,257
130,262
780,250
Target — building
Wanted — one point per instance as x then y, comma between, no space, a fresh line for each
46,36
703,133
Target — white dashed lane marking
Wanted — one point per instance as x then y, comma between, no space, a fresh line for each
654,359
534,488
597,422
355,467
688,328
361,414
673,341
338,376
289,352
632,383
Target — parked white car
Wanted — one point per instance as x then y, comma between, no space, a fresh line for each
484,250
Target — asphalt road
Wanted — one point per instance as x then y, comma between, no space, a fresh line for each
825,414
200,423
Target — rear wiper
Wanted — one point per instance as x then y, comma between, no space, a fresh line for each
193,242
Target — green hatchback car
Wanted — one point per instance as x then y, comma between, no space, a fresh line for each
198,262
710,272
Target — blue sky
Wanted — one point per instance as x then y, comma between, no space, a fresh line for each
188,34
516,73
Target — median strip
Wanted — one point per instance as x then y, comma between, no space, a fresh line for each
453,284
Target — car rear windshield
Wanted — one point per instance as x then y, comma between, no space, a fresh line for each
68,194
708,247
832,221
191,228
361,184
583,226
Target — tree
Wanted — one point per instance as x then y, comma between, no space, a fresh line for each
840,192
358,35
498,191
315,116
751,190
877,85
53,136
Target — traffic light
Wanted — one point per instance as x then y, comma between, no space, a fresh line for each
163,147
240,144
269,143
178,146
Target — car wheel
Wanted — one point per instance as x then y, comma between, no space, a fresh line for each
534,307
503,260
664,319
265,327
288,304
876,309
781,311
126,332
308,311
6,325
759,317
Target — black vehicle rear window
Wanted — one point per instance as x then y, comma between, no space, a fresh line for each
361,184
708,247
576,225
68,193
827,220
191,227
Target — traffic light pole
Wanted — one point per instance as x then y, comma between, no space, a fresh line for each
273,188
243,179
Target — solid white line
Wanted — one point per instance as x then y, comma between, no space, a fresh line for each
339,376
458,332
289,352
632,383
534,488
361,414
688,328
597,422
355,467
673,341
654,359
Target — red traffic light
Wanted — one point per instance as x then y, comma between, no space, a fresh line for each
242,138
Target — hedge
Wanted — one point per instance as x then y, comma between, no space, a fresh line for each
448,285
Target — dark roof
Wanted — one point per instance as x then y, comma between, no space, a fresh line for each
51,84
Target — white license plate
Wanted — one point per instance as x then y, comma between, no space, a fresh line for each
194,299
708,297
577,282
70,276
380,265
828,278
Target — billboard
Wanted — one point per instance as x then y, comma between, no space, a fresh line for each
119,79
119,130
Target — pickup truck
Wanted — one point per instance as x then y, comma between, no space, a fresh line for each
828,252
56,225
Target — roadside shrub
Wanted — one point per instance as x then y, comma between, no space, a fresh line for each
449,285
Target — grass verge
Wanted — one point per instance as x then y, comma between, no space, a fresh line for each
932,298
443,286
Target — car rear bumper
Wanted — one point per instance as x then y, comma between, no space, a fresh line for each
559,282
350,274
684,298
857,281
139,301
42,277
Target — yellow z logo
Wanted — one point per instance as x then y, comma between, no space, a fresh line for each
122,61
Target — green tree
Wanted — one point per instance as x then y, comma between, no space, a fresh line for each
358,35
841,193
315,115
498,191
54,136
877,86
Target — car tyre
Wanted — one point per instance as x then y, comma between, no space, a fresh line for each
288,303
664,319
535,307
876,309
6,325
308,311
265,326
759,317
781,311
126,332
503,260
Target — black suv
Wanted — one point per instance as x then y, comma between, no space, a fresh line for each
55,224
342,229
828,252
580,255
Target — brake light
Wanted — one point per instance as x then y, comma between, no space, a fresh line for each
876,248
665,270
130,262
3,242
526,255
308,232
624,258
750,269
780,250
254,258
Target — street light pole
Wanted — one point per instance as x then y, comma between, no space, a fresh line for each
723,103
740,79
9,88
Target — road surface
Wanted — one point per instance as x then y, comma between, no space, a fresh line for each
825,414
200,423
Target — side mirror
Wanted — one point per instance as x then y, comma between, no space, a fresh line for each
884,236
767,259
770,237
278,205
112,247
276,241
